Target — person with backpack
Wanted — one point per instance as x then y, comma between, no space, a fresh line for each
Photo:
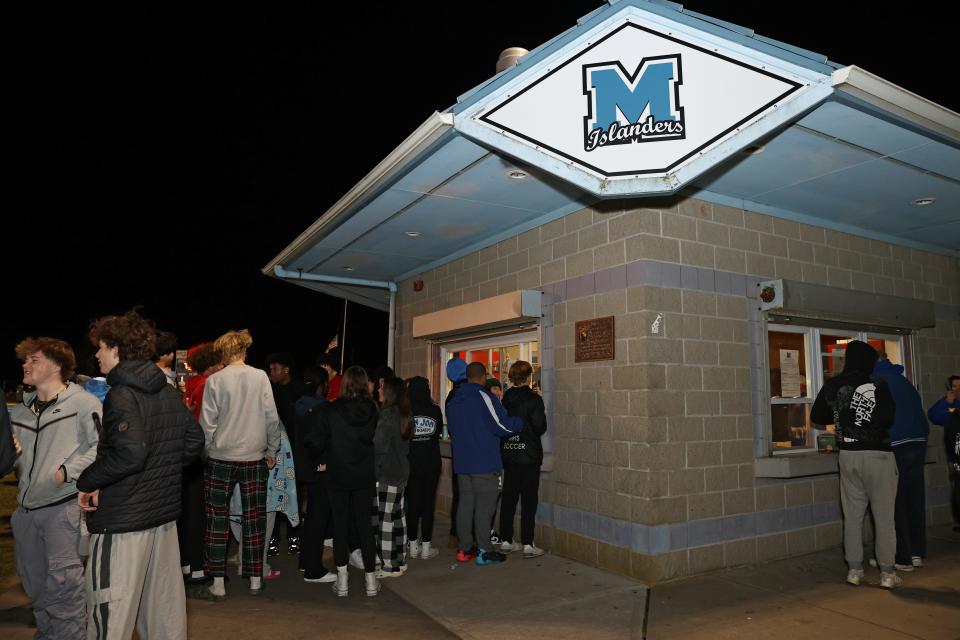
862,409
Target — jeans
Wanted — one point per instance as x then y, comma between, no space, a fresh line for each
910,516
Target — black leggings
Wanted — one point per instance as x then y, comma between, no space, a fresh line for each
353,505
421,502
192,523
317,522
519,481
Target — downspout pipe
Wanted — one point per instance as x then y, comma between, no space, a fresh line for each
286,274
392,331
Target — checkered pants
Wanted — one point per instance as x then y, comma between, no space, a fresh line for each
219,476
392,527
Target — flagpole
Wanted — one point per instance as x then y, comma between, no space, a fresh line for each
343,335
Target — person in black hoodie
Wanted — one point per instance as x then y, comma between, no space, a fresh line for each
522,457
342,446
286,391
318,515
425,467
132,491
862,408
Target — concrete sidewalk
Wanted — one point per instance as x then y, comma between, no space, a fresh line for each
550,597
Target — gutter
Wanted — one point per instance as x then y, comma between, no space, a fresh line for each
888,97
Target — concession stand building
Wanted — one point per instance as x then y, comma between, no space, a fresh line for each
680,224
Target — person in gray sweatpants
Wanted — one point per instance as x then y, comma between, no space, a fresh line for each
862,409
131,492
477,423
56,426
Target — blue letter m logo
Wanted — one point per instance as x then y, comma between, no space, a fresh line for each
643,107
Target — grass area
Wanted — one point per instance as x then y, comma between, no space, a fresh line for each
8,502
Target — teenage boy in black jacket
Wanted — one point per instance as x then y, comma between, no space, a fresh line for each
132,491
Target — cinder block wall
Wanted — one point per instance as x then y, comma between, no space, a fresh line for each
653,452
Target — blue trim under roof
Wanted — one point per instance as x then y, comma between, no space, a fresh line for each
729,31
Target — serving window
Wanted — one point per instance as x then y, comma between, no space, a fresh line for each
800,359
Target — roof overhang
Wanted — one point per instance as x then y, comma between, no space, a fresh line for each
847,151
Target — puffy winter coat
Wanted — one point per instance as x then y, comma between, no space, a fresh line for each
148,436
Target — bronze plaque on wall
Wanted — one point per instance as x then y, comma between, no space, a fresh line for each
594,340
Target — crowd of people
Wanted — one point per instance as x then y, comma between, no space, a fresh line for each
130,483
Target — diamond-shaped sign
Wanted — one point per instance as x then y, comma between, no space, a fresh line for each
635,100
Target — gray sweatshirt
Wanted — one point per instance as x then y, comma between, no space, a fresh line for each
391,450
239,416
65,434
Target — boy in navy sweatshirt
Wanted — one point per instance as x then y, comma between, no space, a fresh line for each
477,422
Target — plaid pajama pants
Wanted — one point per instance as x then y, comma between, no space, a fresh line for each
392,527
219,476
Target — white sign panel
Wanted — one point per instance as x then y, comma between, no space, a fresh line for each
637,100
789,373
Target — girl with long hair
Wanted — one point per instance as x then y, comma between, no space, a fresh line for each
341,443
392,446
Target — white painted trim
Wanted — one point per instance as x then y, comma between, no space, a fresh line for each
897,100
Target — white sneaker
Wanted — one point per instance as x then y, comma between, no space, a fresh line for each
916,561
341,583
372,584
356,558
327,577
532,551
890,580
854,576
381,574
907,568
414,548
427,551
509,547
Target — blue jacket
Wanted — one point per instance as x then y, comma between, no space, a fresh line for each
940,411
909,422
940,414
477,421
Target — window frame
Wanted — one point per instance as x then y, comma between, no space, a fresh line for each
814,367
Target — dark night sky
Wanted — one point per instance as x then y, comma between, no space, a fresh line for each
163,156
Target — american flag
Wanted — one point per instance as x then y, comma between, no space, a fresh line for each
333,343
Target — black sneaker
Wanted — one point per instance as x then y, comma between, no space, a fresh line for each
273,547
490,557
293,545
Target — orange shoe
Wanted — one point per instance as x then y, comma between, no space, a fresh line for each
465,556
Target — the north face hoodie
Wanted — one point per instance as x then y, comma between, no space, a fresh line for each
858,403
